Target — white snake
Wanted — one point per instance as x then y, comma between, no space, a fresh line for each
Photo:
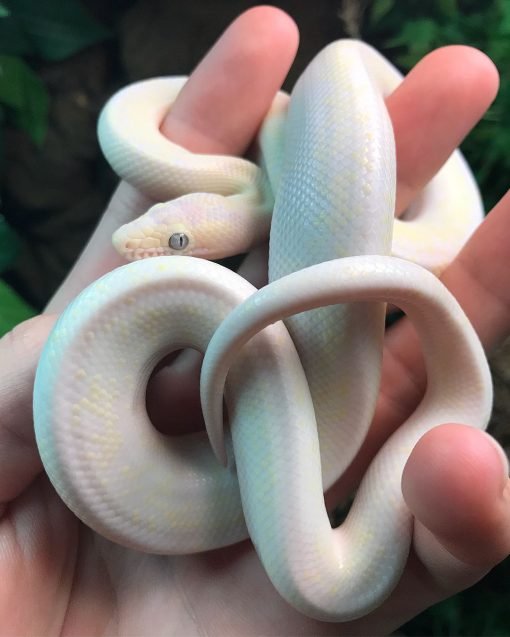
330,160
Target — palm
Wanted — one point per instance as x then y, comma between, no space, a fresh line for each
87,585
102,588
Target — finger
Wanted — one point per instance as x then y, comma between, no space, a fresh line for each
221,107
456,483
218,111
19,352
435,107
479,276
478,279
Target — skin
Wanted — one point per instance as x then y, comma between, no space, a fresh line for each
73,582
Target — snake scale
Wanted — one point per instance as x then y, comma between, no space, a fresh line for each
300,392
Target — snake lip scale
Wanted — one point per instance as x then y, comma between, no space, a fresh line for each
298,361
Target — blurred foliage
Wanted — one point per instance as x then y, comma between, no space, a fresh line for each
407,31
13,309
23,98
32,31
482,611
49,29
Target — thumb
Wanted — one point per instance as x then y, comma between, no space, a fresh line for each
456,483
19,352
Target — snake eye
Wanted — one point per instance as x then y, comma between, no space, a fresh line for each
178,241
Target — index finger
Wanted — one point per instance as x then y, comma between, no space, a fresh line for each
218,111
228,94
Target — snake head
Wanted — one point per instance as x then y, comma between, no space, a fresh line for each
192,225
205,225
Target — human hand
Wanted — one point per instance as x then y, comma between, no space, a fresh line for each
75,582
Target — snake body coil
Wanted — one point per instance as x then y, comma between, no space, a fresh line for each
301,393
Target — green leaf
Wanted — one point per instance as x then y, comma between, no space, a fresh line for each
57,29
13,309
25,95
9,244
379,9
4,11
